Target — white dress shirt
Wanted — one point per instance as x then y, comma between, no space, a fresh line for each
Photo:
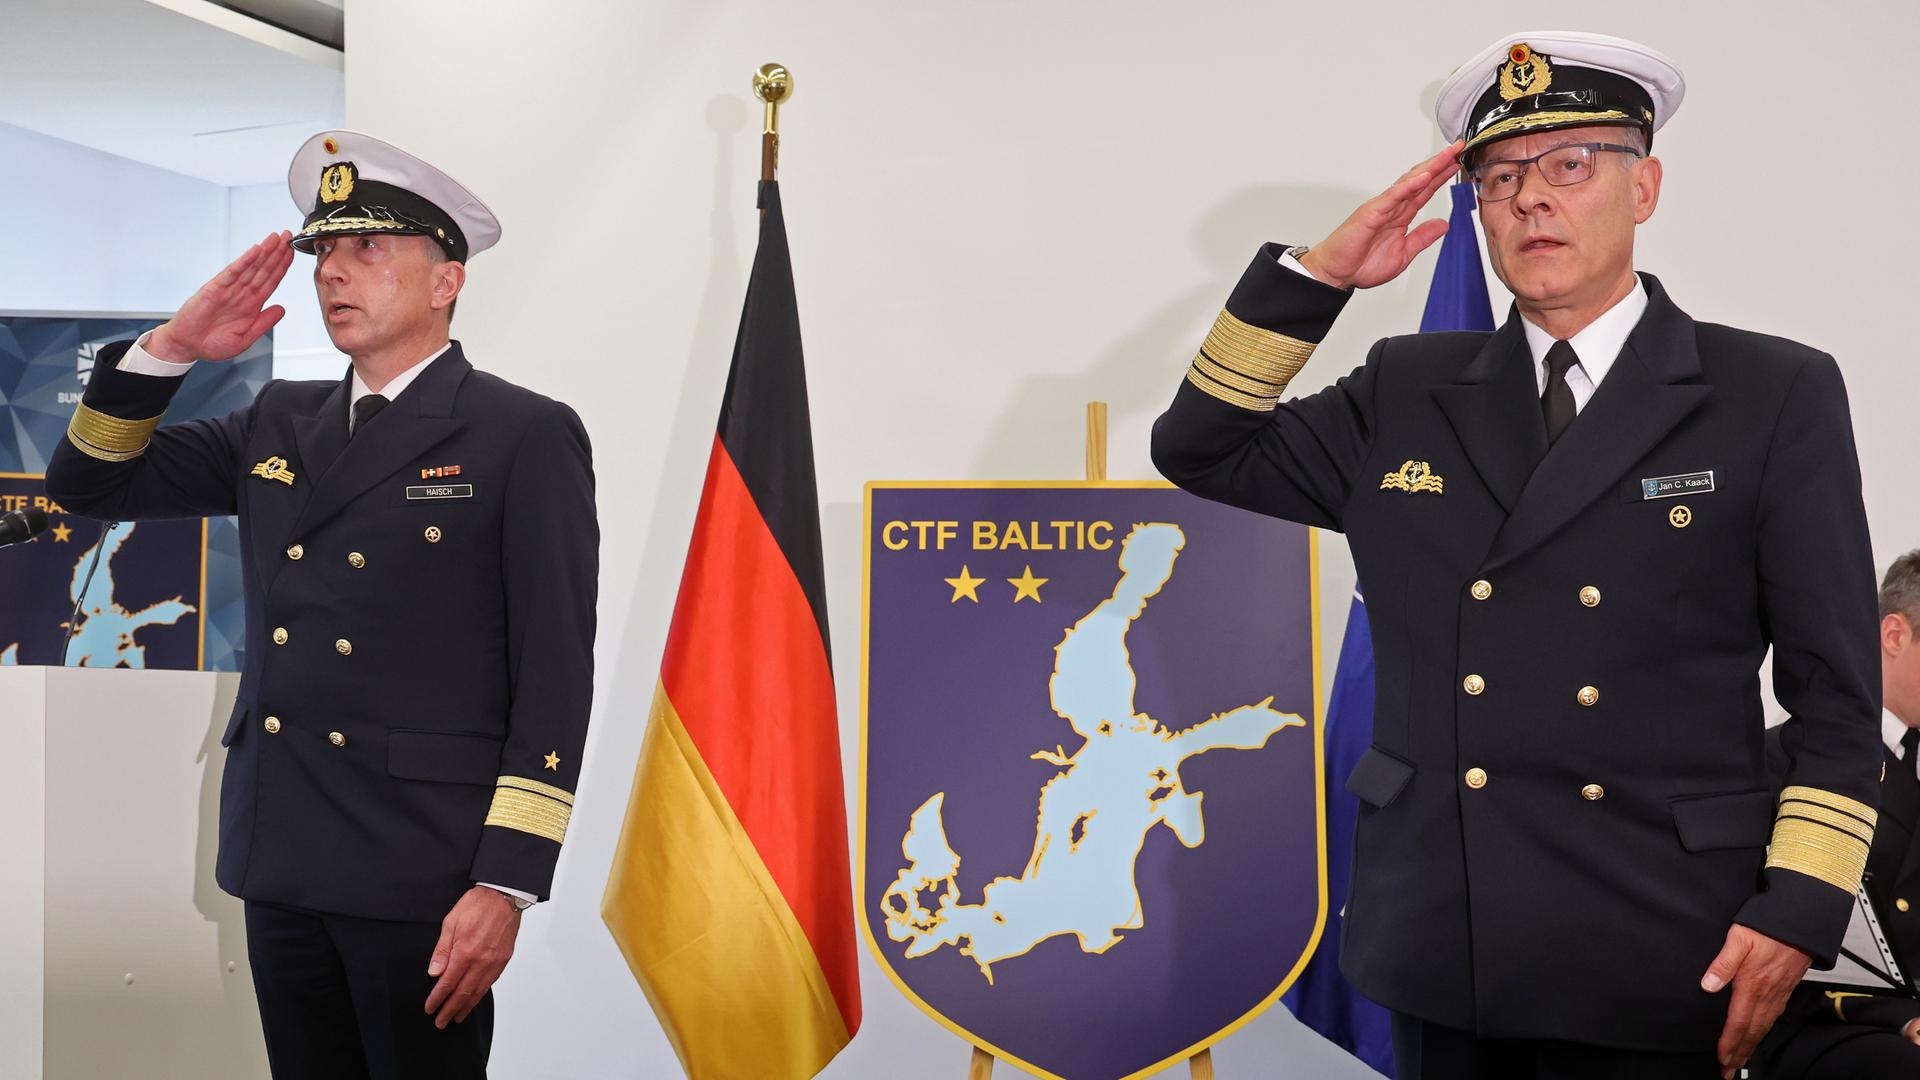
1597,346
141,362
1892,729
394,385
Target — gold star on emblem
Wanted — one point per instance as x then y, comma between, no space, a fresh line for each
965,585
553,760
61,532
1026,585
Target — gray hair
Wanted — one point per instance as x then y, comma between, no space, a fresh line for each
1900,589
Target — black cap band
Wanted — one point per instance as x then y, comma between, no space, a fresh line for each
1574,96
368,206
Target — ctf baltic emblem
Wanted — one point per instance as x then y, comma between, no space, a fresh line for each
1412,477
1091,840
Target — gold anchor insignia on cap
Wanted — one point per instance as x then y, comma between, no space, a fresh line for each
1414,476
1525,72
336,183
274,468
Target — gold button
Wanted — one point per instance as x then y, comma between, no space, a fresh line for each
336,738
1589,695
1902,904
433,534
1476,778
1680,516
1473,684
279,635
356,560
343,647
295,552
1482,589
272,725
1593,792
1590,596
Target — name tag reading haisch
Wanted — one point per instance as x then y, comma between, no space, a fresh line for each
440,491
1666,487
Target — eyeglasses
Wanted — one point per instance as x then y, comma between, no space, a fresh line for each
1562,166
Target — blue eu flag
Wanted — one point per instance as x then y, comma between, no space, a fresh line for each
1457,300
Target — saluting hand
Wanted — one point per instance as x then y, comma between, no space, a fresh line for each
476,941
1373,246
227,315
1763,972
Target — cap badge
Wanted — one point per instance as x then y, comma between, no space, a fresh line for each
1525,72
336,183
331,146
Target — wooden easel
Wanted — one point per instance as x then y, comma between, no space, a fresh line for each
1201,1063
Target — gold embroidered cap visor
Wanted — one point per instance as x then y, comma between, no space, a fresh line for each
347,183
1542,80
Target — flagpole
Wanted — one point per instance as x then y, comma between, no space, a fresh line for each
772,84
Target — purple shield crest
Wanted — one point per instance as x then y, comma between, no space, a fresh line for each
1091,837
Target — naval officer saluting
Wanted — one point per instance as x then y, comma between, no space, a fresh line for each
420,558
1577,535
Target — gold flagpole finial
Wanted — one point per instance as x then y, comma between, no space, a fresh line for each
772,84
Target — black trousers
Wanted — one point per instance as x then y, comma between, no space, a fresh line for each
345,999
1429,1051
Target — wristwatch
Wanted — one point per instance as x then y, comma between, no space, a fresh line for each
1298,250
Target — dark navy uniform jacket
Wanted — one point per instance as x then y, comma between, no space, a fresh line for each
419,645
1566,804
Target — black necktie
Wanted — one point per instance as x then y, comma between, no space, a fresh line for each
1556,401
364,410
1907,742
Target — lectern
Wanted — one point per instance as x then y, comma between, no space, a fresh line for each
119,956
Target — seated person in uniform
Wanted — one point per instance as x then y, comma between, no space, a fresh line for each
1859,1027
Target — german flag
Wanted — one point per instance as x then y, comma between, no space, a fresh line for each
730,894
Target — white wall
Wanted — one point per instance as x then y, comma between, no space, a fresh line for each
92,232
1000,211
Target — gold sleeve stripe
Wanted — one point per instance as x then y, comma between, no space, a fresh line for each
1226,376
1228,394
109,438
1268,357
538,788
1245,366
1853,808
1817,851
531,807
1832,819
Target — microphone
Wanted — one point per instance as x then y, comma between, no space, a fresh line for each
22,525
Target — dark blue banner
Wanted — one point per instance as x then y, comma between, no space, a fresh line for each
44,364
1091,838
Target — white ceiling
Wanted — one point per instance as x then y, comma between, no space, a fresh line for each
185,85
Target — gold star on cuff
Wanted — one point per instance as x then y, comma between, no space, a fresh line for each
61,533
1026,585
553,760
965,585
